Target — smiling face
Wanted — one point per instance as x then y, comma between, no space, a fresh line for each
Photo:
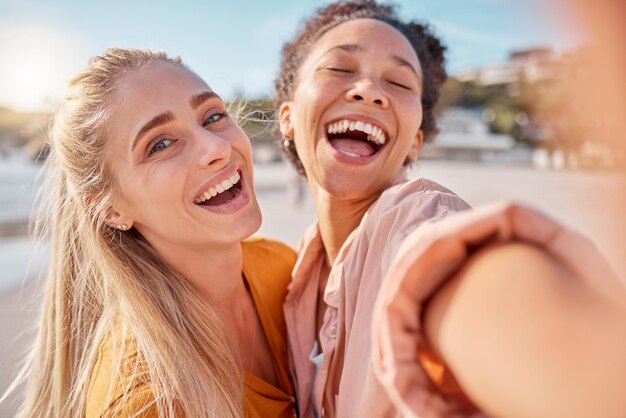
356,112
182,166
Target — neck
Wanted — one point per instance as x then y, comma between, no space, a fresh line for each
215,271
337,219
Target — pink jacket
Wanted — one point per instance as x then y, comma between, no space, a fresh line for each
346,382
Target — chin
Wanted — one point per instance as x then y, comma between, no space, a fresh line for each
251,222
351,189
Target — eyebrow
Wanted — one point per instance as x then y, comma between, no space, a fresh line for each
350,48
198,99
404,63
158,120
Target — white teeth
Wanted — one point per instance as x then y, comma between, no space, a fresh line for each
377,135
374,133
219,188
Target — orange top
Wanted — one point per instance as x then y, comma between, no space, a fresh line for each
267,269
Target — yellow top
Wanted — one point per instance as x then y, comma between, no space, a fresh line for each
267,269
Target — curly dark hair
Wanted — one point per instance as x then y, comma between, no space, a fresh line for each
430,52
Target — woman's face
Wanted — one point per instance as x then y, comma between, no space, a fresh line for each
183,167
356,112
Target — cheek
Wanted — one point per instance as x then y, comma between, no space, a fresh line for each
158,184
301,142
312,98
239,141
411,114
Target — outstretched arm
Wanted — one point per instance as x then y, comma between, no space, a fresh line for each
525,313
527,337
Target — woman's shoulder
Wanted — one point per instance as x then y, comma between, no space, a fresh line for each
424,192
118,385
267,265
269,252
398,212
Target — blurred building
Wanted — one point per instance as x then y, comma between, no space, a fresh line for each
464,135
533,65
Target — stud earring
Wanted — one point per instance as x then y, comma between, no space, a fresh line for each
122,227
286,142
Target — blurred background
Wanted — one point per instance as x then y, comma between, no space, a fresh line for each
525,114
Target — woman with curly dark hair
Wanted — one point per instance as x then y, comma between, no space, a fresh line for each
356,94
356,97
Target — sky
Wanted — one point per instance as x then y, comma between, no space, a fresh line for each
235,45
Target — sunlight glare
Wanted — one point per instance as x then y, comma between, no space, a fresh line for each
38,61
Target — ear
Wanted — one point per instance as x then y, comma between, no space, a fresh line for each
114,219
416,146
117,220
284,119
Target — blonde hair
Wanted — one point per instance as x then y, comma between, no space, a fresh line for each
104,283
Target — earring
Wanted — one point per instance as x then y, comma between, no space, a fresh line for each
122,227
286,142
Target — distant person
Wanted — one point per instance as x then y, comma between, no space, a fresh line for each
154,305
297,189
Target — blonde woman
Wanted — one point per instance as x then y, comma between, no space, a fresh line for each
154,305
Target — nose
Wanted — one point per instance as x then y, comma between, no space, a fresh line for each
368,92
211,150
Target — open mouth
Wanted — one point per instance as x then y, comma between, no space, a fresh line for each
221,193
355,138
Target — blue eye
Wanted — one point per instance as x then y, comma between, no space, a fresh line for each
160,145
213,118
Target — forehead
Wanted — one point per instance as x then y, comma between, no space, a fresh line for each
156,88
374,36
156,80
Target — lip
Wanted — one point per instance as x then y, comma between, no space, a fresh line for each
219,177
340,156
240,201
